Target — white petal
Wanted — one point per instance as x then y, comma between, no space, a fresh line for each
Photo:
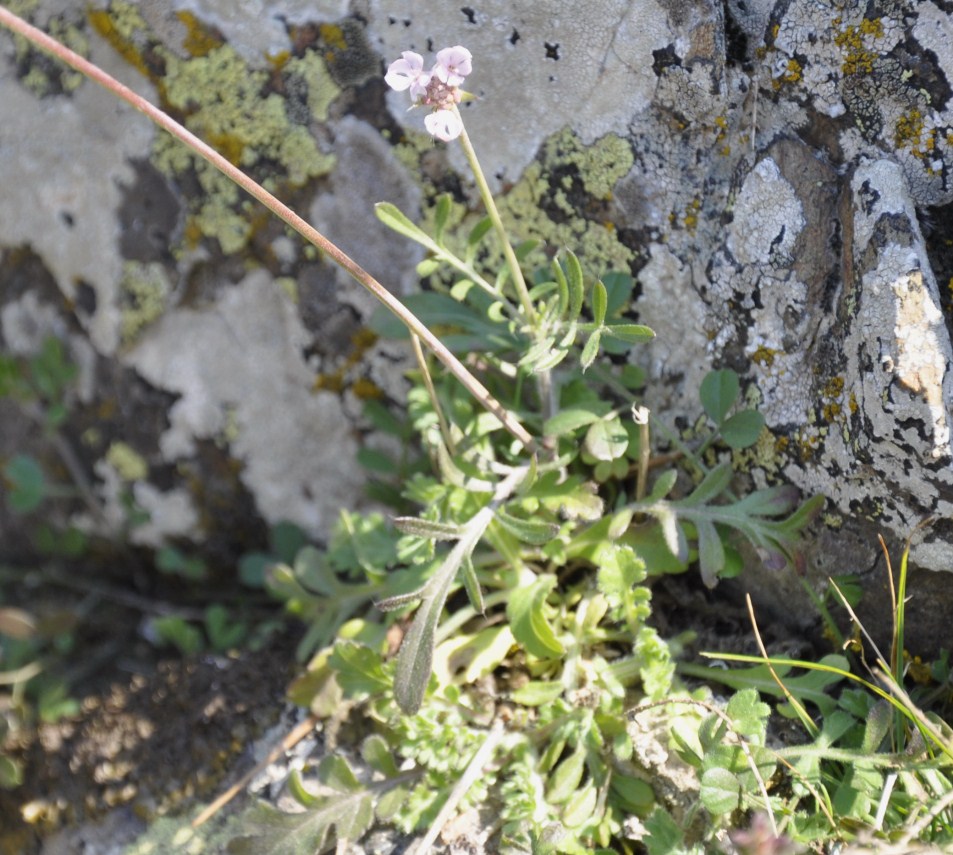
444,124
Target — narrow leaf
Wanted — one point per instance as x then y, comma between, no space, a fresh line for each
633,333
581,807
663,485
392,217
472,585
576,287
711,552
476,235
537,694
429,529
590,350
415,660
562,287
600,302
566,777
712,486
533,532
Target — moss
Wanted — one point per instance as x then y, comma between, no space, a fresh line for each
143,294
129,465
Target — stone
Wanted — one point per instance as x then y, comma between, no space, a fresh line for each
775,174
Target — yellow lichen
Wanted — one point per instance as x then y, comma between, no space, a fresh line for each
143,293
690,218
200,40
834,387
129,464
333,36
910,132
793,72
858,58
123,27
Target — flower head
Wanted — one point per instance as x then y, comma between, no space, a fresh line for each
436,88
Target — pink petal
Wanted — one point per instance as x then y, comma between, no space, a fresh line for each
407,72
453,64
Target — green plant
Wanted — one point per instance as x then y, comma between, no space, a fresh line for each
876,763
520,591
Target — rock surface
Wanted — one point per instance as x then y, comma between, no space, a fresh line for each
776,174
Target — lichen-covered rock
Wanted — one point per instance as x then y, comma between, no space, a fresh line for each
775,172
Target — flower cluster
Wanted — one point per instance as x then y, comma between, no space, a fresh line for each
437,88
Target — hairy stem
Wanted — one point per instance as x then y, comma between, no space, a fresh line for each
44,42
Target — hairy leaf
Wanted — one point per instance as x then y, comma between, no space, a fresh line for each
534,532
270,832
720,791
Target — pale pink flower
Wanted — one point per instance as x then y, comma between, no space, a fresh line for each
408,73
444,124
453,64
436,88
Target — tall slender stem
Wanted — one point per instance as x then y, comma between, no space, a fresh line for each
163,120
515,271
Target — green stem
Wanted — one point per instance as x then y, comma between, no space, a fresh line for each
44,42
515,271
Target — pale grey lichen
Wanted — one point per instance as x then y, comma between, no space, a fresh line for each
241,359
